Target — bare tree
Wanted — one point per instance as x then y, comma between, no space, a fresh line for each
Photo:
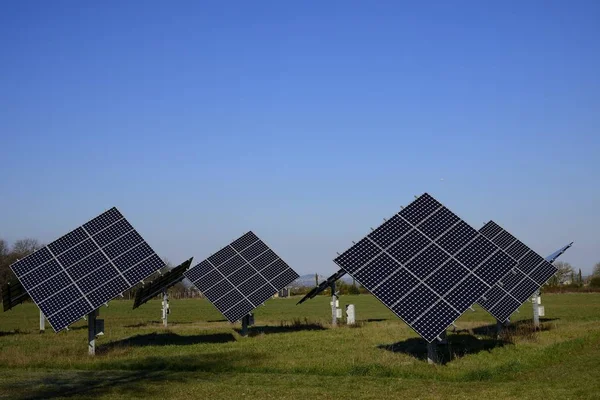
24,247
596,269
562,275
21,248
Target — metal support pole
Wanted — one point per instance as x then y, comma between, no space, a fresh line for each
536,310
42,322
333,305
444,337
432,355
245,323
165,307
499,326
92,333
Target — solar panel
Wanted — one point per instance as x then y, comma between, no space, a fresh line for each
426,265
86,268
13,294
323,286
531,272
165,281
552,257
241,276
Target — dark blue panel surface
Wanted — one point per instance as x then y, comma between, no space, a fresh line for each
434,322
530,273
390,231
244,241
71,239
254,251
241,276
420,209
430,259
113,233
102,221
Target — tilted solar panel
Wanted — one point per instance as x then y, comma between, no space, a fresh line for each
426,265
241,276
86,268
165,281
323,286
13,294
530,273
554,256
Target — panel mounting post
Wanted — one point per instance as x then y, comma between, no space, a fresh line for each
245,323
91,320
165,307
432,354
42,322
333,305
536,309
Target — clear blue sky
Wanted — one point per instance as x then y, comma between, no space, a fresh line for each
307,122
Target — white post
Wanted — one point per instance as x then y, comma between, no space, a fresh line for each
333,305
42,322
165,307
350,315
536,309
92,333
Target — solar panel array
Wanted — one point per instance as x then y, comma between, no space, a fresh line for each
86,268
161,283
323,286
241,276
13,294
531,272
426,265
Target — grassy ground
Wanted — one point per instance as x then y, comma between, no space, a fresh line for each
293,352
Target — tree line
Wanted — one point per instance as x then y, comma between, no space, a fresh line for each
566,275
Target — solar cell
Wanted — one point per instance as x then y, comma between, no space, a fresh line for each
86,268
531,271
163,282
241,276
426,265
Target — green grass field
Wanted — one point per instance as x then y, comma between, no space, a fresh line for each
292,352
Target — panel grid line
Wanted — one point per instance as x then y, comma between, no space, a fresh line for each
70,248
106,255
70,278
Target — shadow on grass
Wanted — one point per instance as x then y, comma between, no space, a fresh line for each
14,332
295,325
522,327
165,339
155,323
143,377
457,346
374,320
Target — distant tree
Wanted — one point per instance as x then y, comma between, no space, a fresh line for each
596,271
562,275
24,247
316,279
595,281
579,278
20,249
4,262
